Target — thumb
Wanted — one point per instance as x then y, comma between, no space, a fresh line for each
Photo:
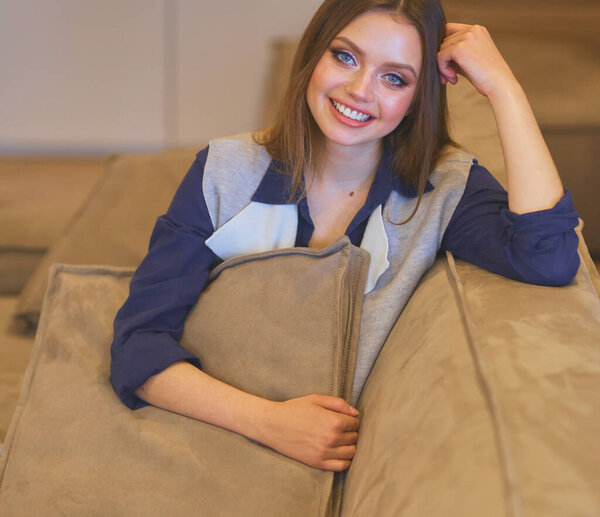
337,404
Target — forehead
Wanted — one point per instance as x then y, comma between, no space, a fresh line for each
386,37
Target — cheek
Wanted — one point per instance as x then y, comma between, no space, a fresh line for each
318,81
396,107
318,86
311,90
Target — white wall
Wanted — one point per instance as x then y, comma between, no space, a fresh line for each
81,74
224,61
104,75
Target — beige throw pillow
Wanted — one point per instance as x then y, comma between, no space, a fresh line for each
284,323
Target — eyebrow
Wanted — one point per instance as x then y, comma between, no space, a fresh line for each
389,64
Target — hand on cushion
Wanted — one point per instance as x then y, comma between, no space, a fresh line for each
318,430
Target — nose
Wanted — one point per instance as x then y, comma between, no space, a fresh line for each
359,86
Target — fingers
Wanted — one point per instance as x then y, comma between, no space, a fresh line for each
348,424
336,465
452,40
346,452
340,423
469,50
338,458
446,69
346,415
452,49
453,27
318,430
472,34
346,439
455,34
335,404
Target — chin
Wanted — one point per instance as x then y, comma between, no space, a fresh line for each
347,139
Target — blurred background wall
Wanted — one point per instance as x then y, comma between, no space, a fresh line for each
104,75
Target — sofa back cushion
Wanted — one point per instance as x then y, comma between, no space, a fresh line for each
483,401
38,198
114,226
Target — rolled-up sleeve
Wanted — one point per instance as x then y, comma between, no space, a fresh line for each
536,247
169,280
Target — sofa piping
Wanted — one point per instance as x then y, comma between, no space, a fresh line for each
507,465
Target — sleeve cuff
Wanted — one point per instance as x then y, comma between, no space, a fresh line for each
563,206
145,354
562,217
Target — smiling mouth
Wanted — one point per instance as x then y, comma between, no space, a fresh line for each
350,113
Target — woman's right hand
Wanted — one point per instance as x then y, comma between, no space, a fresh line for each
318,430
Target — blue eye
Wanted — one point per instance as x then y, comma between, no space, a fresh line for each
343,56
395,80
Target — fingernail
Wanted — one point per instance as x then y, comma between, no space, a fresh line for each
354,410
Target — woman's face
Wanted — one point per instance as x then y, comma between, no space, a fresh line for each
365,82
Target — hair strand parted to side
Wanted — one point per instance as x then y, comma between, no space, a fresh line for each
417,142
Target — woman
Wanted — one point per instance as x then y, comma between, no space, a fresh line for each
354,151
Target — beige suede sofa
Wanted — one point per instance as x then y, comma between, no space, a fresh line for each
483,401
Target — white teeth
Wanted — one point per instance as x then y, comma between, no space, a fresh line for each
353,114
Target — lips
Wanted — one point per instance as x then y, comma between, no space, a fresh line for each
350,115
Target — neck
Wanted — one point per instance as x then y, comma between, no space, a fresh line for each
346,165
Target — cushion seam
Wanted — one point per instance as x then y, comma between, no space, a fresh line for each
505,455
340,278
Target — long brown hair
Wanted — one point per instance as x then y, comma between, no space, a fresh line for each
416,143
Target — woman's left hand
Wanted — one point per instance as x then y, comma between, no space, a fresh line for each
534,183
468,50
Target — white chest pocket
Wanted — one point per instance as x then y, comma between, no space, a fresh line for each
258,227
261,227
375,241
